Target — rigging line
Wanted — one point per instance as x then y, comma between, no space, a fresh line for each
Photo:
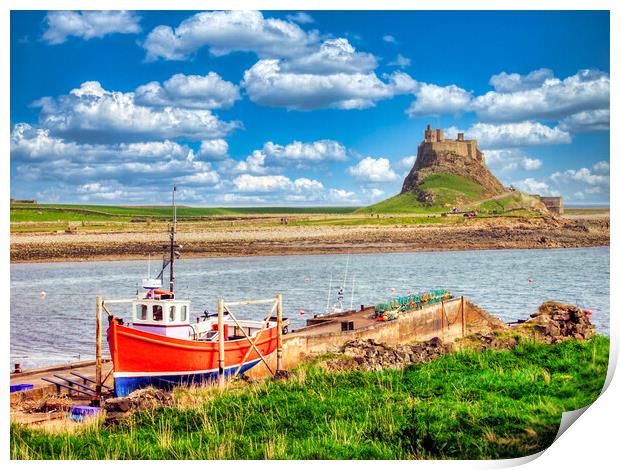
329,290
346,270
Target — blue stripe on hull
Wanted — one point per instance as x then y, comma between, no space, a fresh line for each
123,386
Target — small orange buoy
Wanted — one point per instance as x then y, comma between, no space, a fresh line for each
588,313
301,313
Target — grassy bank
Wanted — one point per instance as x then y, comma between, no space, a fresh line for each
493,404
76,212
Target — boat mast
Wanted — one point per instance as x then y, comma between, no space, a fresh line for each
173,233
329,291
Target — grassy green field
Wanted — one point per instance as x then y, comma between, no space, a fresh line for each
447,189
466,405
586,210
71,212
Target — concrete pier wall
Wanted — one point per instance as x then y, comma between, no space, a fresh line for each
448,321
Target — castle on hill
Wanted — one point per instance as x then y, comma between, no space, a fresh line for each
459,156
434,139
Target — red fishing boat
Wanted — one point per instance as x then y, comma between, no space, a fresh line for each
162,347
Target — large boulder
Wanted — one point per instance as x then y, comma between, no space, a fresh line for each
555,322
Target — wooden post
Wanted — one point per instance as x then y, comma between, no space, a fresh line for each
98,374
220,337
279,316
443,312
463,316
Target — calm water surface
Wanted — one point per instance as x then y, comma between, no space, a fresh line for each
60,327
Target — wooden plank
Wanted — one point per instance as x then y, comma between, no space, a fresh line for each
120,301
58,384
73,382
249,302
87,379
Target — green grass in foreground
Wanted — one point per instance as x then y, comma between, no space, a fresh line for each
494,404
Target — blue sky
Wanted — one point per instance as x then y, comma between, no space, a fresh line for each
301,108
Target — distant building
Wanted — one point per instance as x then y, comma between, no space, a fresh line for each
23,201
555,204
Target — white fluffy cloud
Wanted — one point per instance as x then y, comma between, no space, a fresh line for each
400,61
406,163
268,84
534,186
300,17
274,183
373,194
586,121
499,136
542,96
333,56
436,100
29,143
91,113
374,170
226,31
508,160
88,24
320,150
36,155
214,149
189,91
582,175
511,82
601,167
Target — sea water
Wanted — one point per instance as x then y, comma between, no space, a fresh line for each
53,304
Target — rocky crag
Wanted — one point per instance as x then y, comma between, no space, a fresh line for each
460,157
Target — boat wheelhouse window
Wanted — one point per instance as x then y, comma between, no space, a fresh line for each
143,312
158,313
172,313
183,313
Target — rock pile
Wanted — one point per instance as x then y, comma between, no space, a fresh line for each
368,354
143,399
482,341
555,322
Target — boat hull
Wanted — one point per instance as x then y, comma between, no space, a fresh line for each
124,385
143,358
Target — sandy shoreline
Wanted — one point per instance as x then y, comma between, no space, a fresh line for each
205,241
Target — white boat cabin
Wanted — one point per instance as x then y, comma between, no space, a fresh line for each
171,318
168,317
